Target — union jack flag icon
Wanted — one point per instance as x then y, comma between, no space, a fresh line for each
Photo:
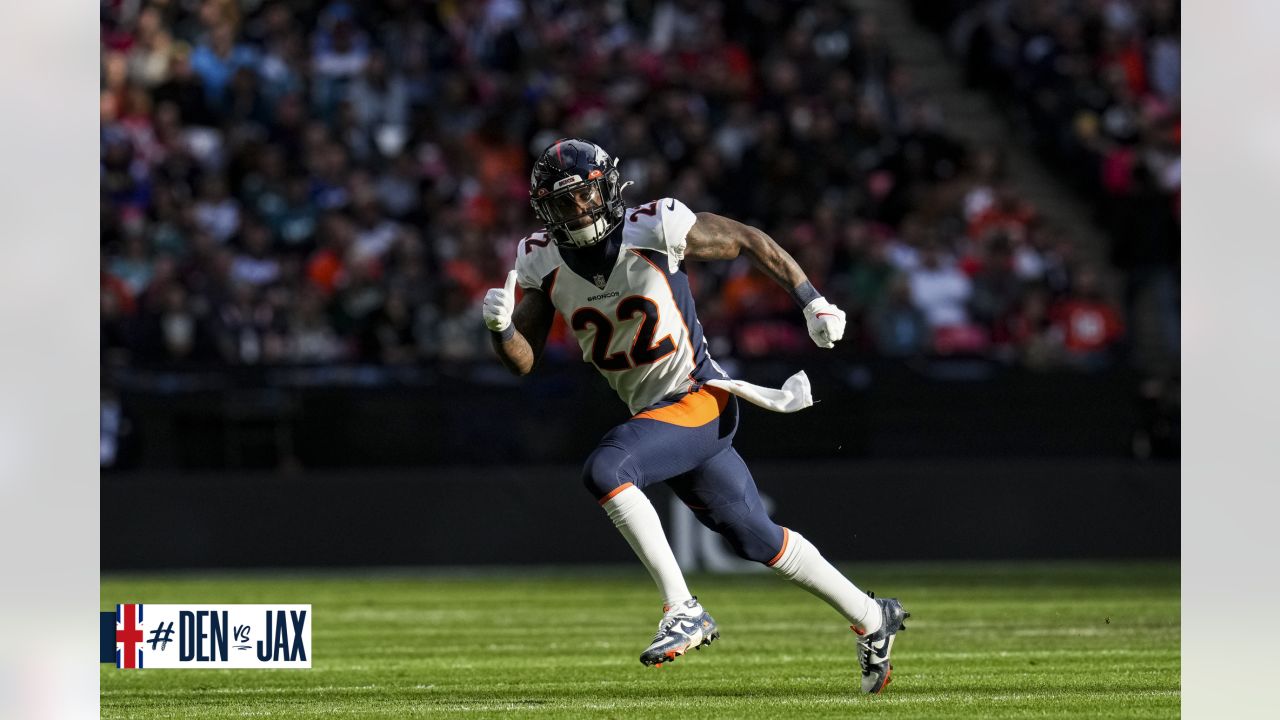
129,636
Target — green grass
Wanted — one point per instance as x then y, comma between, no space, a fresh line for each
984,641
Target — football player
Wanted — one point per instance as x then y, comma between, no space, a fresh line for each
617,276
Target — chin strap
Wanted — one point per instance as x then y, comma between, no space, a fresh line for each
592,233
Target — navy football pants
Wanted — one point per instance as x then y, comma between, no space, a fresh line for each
665,444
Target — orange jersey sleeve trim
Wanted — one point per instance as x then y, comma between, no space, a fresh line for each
694,410
615,491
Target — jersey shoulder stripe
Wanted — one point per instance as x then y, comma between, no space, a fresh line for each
662,225
704,368
536,257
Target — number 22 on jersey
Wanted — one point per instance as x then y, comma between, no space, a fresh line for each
643,349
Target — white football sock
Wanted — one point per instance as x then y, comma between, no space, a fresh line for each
801,563
634,516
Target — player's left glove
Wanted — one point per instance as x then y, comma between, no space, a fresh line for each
825,321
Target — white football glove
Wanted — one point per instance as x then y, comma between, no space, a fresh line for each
825,321
499,303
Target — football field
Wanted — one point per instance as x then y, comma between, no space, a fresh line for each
983,641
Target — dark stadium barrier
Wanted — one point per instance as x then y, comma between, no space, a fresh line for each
540,514
477,414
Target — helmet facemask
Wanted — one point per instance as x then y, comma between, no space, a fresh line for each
580,211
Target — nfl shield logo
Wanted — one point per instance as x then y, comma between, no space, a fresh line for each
600,280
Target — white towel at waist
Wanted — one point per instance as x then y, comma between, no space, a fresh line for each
795,394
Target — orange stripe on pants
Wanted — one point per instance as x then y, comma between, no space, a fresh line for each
694,410
786,537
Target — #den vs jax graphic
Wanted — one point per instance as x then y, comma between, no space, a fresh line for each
206,636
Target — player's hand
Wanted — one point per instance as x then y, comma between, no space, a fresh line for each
499,303
825,321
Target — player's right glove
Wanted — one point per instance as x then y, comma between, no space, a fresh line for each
825,321
499,303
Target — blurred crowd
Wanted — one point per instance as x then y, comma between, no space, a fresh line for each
1095,86
321,181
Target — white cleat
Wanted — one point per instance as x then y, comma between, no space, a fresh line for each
685,626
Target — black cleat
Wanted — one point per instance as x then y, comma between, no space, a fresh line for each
873,649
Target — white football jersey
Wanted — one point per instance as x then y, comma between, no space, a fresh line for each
634,321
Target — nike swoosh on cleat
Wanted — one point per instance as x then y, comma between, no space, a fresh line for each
672,204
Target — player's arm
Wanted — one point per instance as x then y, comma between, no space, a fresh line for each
715,237
518,334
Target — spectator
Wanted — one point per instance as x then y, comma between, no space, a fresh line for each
388,338
939,290
898,328
996,287
380,99
174,333
149,59
249,331
310,335
217,58
1031,336
255,266
216,212
134,266
870,270
340,51
1088,325
457,333
397,190
297,221
326,268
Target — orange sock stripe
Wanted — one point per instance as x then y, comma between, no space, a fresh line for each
694,410
615,491
786,537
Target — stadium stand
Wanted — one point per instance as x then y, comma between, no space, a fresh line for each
1094,87
334,182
